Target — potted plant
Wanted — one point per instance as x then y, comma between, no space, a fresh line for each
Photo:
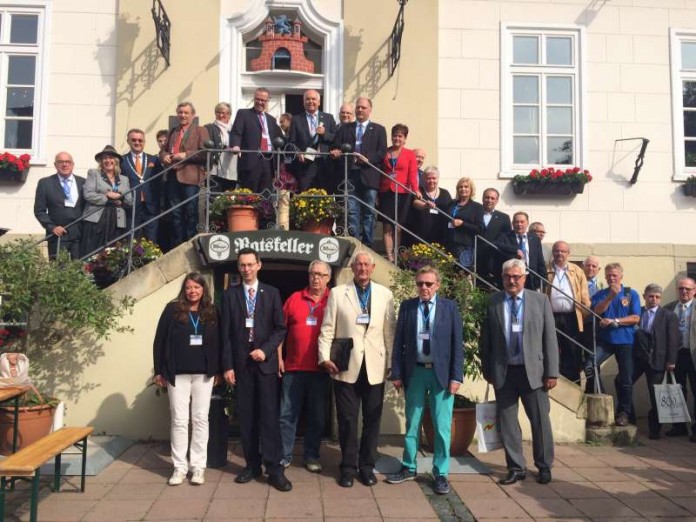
49,309
689,186
241,209
552,181
14,168
314,211
455,285
111,264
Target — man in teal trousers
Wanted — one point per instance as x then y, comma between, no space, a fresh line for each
428,357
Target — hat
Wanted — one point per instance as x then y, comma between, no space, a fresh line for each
107,151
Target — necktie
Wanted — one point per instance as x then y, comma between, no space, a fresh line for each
66,190
264,141
313,130
426,326
515,337
177,141
138,166
358,138
646,320
523,248
251,305
592,287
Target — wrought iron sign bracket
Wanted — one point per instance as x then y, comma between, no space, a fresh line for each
395,39
163,29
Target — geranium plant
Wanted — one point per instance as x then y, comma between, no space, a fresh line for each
240,197
11,163
313,205
111,264
545,175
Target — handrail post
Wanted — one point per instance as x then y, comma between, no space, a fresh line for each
395,245
475,255
207,192
276,188
346,232
136,197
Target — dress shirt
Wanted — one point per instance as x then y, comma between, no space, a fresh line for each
420,327
646,321
312,122
74,194
683,311
508,325
487,218
560,304
592,286
255,286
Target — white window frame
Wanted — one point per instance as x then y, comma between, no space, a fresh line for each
508,168
676,37
40,51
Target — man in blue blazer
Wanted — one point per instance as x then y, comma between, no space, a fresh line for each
428,358
139,167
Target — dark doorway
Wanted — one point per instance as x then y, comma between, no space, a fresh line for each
293,103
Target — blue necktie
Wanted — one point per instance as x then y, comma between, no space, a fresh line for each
66,190
426,326
515,337
358,138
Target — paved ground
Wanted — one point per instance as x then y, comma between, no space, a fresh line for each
655,479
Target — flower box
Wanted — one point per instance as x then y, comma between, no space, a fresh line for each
551,189
16,176
14,168
552,182
689,187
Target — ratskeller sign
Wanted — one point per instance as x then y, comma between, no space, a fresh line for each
276,245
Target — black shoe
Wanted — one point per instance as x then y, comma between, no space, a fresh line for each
544,476
279,481
655,435
247,475
441,485
621,420
368,478
346,479
512,477
677,431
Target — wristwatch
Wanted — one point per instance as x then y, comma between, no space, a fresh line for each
616,322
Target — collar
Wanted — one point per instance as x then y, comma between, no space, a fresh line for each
254,285
688,303
358,287
310,115
508,297
432,301
364,124
70,178
306,294
653,309
557,268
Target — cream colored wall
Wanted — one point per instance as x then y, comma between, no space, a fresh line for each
410,96
147,91
628,94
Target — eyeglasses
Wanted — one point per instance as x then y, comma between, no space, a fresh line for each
421,284
135,140
317,274
63,162
513,277
685,289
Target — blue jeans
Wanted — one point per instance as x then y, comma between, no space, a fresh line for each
624,379
361,216
184,218
303,388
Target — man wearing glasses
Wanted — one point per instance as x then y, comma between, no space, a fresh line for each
304,381
428,360
685,368
519,357
58,202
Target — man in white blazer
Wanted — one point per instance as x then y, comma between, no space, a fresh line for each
363,311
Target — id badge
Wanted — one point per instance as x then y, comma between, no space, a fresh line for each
249,322
423,336
311,321
450,224
516,327
434,211
363,319
195,340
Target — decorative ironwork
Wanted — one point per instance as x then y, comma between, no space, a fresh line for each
163,29
395,39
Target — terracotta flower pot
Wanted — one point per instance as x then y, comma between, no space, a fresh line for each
35,422
318,227
242,218
463,430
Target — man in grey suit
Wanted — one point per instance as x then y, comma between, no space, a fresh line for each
519,356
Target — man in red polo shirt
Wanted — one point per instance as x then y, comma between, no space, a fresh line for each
304,381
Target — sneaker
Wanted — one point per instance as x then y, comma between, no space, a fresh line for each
177,477
401,476
441,485
285,463
313,466
198,477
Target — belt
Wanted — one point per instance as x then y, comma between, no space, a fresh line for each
515,365
425,365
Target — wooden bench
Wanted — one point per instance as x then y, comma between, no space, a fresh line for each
26,463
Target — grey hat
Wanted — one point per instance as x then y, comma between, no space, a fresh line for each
107,151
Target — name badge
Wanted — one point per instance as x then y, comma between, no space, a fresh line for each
363,319
195,340
434,211
311,321
450,224
516,327
423,336
249,322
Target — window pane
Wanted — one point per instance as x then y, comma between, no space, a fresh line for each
559,51
18,134
20,101
688,54
560,151
559,89
560,120
22,70
690,124
525,89
526,150
689,90
525,49
24,29
690,152
527,120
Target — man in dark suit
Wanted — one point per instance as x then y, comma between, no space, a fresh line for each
519,244
254,129
428,360
252,326
655,348
369,142
59,202
139,167
315,130
496,223
519,357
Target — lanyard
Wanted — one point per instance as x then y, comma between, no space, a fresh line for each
250,303
312,308
365,299
392,161
455,209
195,322
515,310
426,317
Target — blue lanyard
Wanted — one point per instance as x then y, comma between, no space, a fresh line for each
312,308
250,303
515,312
365,299
455,209
195,322
426,317
393,161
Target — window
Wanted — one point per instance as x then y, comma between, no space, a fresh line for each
683,63
541,98
281,60
21,32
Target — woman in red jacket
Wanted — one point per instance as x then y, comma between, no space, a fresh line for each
400,164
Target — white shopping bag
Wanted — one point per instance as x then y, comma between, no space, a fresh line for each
670,403
487,432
